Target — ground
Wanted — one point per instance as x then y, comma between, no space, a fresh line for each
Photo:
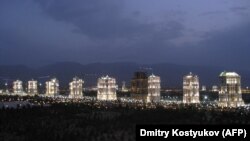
103,121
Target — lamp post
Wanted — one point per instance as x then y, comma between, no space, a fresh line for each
40,88
6,86
205,98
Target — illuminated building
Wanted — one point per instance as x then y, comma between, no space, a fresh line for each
191,89
76,88
52,87
203,88
18,87
106,88
215,88
139,86
32,87
124,88
230,90
154,88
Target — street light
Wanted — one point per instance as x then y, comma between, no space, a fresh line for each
205,97
6,85
40,88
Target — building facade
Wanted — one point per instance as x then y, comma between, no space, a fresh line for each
191,89
32,87
154,88
230,94
18,87
52,87
76,88
139,86
106,88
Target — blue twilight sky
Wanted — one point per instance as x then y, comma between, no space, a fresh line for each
191,32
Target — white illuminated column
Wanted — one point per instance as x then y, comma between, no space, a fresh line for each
32,87
230,94
76,88
106,88
52,87
203,88
154,88
18,87
124,88
191,89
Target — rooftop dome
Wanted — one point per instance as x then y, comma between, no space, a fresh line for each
152,75
224,73
190,75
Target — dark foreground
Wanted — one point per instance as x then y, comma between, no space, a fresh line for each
93,121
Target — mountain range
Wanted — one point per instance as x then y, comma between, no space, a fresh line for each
171,74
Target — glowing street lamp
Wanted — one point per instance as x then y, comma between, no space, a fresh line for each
205,97
6,85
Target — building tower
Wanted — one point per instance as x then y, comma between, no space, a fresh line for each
203,88
106,88
191,88
230,90
76,88
124,88
52,87
139,86
154,88
18,87
32,87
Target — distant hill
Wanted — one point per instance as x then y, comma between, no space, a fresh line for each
171,74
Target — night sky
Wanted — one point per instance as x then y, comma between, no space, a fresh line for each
190,32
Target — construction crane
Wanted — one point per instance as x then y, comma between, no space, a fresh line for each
43,77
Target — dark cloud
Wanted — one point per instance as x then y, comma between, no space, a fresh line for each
38,32
226,48
212,13
57,30
237,9
95,18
